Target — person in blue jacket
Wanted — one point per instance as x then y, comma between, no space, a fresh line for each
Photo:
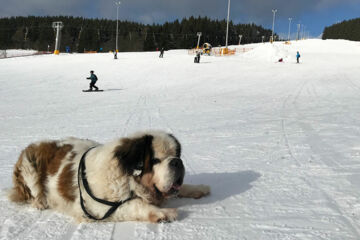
93,79
297,56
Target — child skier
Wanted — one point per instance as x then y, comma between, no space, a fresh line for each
93,79
297,56
197,57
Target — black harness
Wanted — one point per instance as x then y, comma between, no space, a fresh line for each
113,205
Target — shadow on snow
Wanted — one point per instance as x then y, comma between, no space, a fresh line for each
222,186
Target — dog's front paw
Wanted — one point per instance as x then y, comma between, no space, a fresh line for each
200,191
194,191
40,203
163,215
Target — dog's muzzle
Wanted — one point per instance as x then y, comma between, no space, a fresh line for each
177,166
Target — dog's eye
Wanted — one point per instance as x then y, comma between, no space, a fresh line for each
155,161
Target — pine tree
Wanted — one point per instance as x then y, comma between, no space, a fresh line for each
92,34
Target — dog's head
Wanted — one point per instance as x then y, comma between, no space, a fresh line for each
153,158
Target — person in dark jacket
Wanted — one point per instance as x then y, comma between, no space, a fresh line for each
93,79
297,57
197,57
161,53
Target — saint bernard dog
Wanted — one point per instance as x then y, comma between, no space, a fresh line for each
123,180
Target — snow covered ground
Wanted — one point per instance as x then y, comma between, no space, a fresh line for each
17,52
279,143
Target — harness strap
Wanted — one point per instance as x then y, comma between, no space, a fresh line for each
113,205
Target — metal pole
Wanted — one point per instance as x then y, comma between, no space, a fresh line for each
117,27
199,35
117,24
273,27
303,32
57,43
289,28
58,26
227,26
298,32
240,37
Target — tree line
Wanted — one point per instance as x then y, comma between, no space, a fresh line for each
349,30
81,34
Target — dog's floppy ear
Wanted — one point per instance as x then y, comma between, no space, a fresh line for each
134,153
178,145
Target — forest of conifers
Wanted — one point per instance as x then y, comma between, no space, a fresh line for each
81,34
349,30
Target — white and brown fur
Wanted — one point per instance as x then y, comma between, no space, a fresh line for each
46,176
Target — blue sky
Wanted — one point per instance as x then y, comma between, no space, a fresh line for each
314,14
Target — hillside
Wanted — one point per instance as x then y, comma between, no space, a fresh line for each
277,142
349,30
81,34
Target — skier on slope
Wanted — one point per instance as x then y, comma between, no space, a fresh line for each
161,53
93,79
297,57
197,57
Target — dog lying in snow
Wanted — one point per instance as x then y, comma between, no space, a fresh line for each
123,180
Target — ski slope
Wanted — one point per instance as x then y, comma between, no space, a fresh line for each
279,143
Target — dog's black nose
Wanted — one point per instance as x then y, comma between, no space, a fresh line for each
176,163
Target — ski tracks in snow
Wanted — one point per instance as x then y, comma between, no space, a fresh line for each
326,154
